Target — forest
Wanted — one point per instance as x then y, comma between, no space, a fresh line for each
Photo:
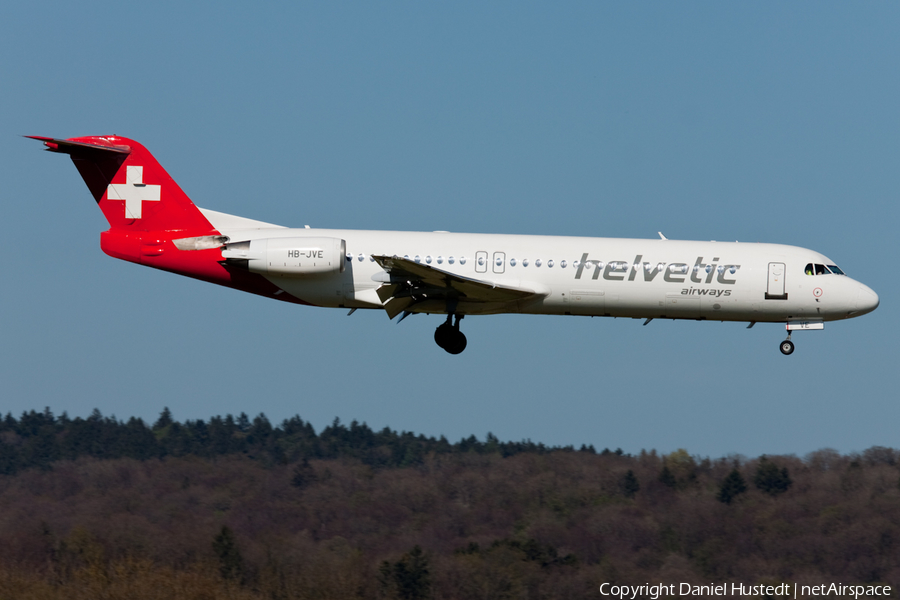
234,507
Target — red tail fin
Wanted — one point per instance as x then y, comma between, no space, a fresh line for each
152,222
134,192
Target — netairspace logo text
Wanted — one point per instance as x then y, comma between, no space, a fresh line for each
785,590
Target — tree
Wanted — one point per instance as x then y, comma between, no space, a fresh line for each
9,459
733,485
409,576
629,484
303,475
666,478
165,419
770,479
231,563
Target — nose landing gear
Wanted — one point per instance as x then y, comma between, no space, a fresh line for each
787,346
449,337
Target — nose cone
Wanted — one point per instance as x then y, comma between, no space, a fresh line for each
866,300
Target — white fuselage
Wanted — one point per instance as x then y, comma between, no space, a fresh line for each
641,278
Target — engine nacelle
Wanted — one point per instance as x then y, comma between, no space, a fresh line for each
292,257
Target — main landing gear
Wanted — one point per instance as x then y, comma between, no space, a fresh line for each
449,337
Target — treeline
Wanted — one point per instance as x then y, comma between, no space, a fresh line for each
37,439
282,512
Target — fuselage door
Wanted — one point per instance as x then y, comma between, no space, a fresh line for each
481,261
775,288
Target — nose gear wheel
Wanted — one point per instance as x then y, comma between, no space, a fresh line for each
787,346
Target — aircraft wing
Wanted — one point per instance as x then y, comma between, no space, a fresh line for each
408,283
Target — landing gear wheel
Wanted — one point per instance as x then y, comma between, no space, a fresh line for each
449,337
787,347
443,334
457,343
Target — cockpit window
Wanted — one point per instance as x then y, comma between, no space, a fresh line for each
814,269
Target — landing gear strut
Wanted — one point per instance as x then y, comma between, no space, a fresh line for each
787,346
449,337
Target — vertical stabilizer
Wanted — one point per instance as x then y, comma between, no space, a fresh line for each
134,192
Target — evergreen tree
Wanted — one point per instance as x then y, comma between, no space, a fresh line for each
732,485
165,419
243,422
770,479
629,484
666,478
303,475
136,440
41,449
9,459
411,575
221,436
260,430
231,564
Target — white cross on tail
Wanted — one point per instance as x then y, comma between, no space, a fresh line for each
134,192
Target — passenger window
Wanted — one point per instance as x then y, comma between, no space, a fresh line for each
562,264
512,262
450,260
524,262
550,264
537,263
462,260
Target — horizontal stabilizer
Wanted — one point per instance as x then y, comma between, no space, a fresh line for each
74,148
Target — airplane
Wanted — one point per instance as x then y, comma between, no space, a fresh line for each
154,223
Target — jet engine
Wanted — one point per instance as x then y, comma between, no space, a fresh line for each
291,257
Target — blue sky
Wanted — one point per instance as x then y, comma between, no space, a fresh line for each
763,122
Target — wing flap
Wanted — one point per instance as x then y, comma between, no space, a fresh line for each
411,283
